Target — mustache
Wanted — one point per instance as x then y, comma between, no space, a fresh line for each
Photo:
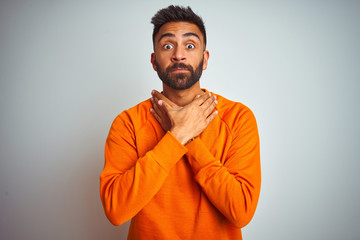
179,65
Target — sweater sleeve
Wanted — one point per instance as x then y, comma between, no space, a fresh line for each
129,182
234,186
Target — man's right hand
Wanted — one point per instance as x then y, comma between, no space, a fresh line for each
184,122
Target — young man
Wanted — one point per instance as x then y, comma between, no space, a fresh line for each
184,164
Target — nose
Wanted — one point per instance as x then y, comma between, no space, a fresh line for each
179,55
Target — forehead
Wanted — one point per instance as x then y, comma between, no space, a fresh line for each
179,29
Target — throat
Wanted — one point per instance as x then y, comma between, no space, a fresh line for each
182,97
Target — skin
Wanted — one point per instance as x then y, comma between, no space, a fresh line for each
185,113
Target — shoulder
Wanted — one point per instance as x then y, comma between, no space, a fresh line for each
134,117
234,114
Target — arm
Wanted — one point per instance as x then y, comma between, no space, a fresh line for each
233,187
128,182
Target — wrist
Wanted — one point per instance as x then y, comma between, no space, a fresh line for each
183,139
189,141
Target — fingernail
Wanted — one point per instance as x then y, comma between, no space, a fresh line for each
215,102
214,96
160,102
197,96
151,110
152,92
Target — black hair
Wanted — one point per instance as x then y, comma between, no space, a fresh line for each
176,14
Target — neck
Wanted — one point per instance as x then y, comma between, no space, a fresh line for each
182,97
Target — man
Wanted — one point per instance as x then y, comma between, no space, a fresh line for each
184,164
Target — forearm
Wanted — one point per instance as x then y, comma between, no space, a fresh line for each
124,192
234,192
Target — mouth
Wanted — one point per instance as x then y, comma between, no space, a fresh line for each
177,70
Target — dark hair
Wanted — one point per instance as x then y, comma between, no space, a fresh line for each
176,14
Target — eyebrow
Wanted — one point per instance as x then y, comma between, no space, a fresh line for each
188,34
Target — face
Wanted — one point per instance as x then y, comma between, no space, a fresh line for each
179,54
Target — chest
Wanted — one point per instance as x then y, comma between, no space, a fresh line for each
216,137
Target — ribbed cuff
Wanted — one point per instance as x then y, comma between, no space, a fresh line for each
198,154
168,151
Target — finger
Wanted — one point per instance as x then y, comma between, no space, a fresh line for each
197,96
208,102
159,96
157,117
164,106
211,117
156,106
155,95
200,100
210,108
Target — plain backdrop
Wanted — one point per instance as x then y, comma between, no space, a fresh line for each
68,68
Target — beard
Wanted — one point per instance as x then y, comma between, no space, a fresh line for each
180,81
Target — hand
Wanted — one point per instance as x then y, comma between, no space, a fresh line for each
159,112
184,122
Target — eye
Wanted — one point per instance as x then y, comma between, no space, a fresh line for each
190,46
167,46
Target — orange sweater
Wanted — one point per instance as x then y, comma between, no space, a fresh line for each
207,189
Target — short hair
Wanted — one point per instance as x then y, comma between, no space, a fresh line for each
176,14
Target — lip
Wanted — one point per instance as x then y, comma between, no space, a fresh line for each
180,70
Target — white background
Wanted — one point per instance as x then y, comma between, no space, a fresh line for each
67,68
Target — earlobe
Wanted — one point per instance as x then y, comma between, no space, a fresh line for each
153,61
206,58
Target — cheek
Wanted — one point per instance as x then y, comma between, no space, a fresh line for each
163,62
161,58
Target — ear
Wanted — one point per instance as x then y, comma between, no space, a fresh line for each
153,61
206,58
